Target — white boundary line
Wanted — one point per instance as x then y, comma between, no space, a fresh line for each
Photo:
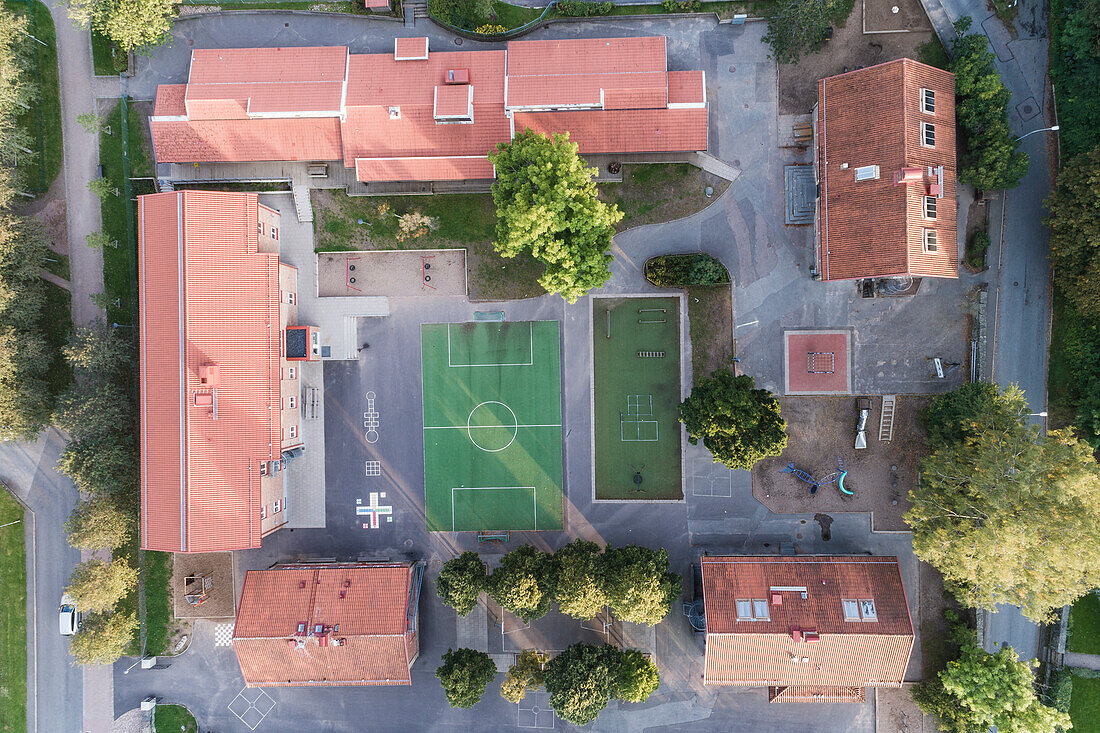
530,351
638,424
479,427
534,501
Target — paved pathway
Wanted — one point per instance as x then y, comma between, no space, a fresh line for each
1088,661
81,158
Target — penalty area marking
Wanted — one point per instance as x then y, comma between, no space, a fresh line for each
534,499
530,353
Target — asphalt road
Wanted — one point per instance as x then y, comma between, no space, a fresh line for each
54,685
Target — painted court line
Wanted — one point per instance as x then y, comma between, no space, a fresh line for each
479,427
534,499
530,353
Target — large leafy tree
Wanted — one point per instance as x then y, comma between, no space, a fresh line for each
581,681
99,352
547,208
461,581
980,692
1011,517
525,674
991,159
802,26
105,465
131,24
1074,224
103,638
99,523
89,410
738,424
639,586
98,586
637,677
967,411
523,583
464,674
578,579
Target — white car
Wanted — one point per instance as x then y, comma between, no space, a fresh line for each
68,617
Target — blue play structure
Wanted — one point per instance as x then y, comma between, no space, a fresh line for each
836,477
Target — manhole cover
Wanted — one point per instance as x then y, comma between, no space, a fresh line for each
1027,109
286,25
458,41
736,162
1015,284
733,69
408,543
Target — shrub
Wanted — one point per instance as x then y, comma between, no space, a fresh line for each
976,248
464,674
801,26
467,14
583,9
486,30
684,271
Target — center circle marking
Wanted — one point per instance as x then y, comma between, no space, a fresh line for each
514,427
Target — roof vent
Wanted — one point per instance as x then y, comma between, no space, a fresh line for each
908,175
395,113
457,76
208,375
301,585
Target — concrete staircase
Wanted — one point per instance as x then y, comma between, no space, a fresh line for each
414,9
799,194
302,205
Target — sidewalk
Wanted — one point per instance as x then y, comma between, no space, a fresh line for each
1087,661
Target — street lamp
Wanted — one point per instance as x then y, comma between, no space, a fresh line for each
1037,414
1055,128
17,521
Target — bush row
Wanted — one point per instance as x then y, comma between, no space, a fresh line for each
685,271
583,9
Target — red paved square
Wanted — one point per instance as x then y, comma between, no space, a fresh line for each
817,362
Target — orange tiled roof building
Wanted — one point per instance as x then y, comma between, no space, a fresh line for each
809,628
329,624
884,157
415,115
219,356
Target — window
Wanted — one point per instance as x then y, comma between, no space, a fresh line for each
755,609
274,232
760,609
293,431
260,228
291,402
263,468
929,207
292,372
867,609
290,298
744,610
928,101
276,507
867,173
263,512
930,240
928,134
851,610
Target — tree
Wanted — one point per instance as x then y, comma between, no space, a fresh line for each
1011,517
802,26
965,412
464,675
130,24
525,674
547,207
739,425
25,400
522,583
102,188
99,240
102,465
90,410
103,638
991,159
99,352
92,123
468,14
99,523
581,681
98,586
640,589
637,677
578,579
461,581
1074,224
979,692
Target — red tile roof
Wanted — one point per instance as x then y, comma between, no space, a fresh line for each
242,111
368,634
874,228
207,296
424,169
617,131
687,87
406,49
170,100
776,651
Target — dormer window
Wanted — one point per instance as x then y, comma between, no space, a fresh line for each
928,101
867,173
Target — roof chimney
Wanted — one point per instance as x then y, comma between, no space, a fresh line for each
208,375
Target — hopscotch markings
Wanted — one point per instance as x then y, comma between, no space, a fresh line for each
374,510
530,360
370,420
534,499
374,468
638,406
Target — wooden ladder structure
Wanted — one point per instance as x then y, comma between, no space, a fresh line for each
886,424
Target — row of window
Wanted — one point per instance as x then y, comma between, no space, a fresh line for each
756,609
292,431
278,506
273,230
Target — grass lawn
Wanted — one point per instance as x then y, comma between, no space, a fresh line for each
1084,625
106,60
57,322
158,601
13,618
513,16
1064,377
1084,707
43,119
656,192
710,319
170,718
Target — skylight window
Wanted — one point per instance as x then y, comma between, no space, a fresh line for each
744,610
760,609
929,207
851,610
931,240
754,609
867,609
859,610
867,173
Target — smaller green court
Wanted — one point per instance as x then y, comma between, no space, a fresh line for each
636,365
492,426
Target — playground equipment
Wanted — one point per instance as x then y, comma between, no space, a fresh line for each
196,588
836,477
863,405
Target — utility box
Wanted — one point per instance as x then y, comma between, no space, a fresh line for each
148,704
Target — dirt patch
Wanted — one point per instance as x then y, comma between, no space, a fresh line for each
710,318
395,273
220,603
934,628
51,212
656,192
822,429
893,15
850,48
895,712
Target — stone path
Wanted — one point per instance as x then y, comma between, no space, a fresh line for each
1088,661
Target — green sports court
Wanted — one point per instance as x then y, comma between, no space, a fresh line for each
492,426
636,364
